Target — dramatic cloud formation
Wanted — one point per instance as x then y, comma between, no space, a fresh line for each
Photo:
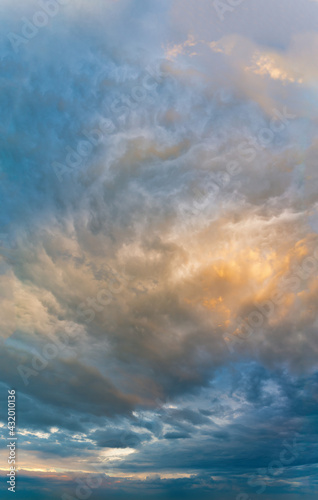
159,247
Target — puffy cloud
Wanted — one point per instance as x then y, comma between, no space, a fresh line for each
159,206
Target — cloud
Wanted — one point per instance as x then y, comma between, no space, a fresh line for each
188,212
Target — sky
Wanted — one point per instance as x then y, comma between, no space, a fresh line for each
159,248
